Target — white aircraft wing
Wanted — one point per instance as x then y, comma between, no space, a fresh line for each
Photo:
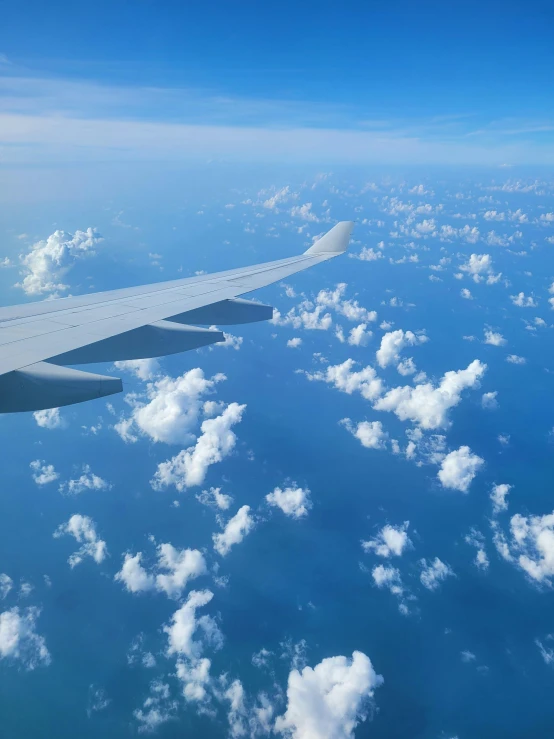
40,341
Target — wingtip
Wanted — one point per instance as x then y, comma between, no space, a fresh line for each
334,241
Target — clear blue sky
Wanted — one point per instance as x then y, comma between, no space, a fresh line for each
462,74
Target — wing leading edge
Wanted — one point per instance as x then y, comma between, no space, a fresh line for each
40,341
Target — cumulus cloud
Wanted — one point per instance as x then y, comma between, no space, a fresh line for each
426,405
157,709
344,378
370,434
523,301
143,369
498,496
6,584
359,335
184,625
465,293
293,501
493,338
393,343
433,573
234,531
458,468
530,545
476,539
215,499
390,541
515,359
368,254
83,530
172,410
49,419
217,441
48,261
314,314
489,400
329,700
87,481
294,343
43,473
479,267
175,567
19,641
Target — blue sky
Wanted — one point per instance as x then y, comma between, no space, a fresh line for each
425,83
354,499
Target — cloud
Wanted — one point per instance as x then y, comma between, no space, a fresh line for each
368,254
523,301
359,336
175,567
195,677
157,709
530,545
184,625
426,405
479,266
43,473
330,700
494,339
465,293
515,359
498,496
294,343
390,541
48,261
6,584
305,212
217,441
143,369
234,532
215,498
489,401
50,419
83,530
476,539
173,409
393,343
343,378
293,501
458,468
369,433
434,573
314,314
19,640
87,481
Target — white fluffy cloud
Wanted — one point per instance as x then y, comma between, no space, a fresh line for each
489,400
370,434
87,481
344,378
426,405
393,343
434,573
329,700
50,419
314,314
215,498
479,267
530,545
494,338
144,369
83,529
48,261
172,410
6,584
390,541
498,496
523,301
175,567
19,640
43,473
234,532
217,441
458,468
293,501
294,343
184,625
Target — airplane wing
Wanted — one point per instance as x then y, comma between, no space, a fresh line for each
40,341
